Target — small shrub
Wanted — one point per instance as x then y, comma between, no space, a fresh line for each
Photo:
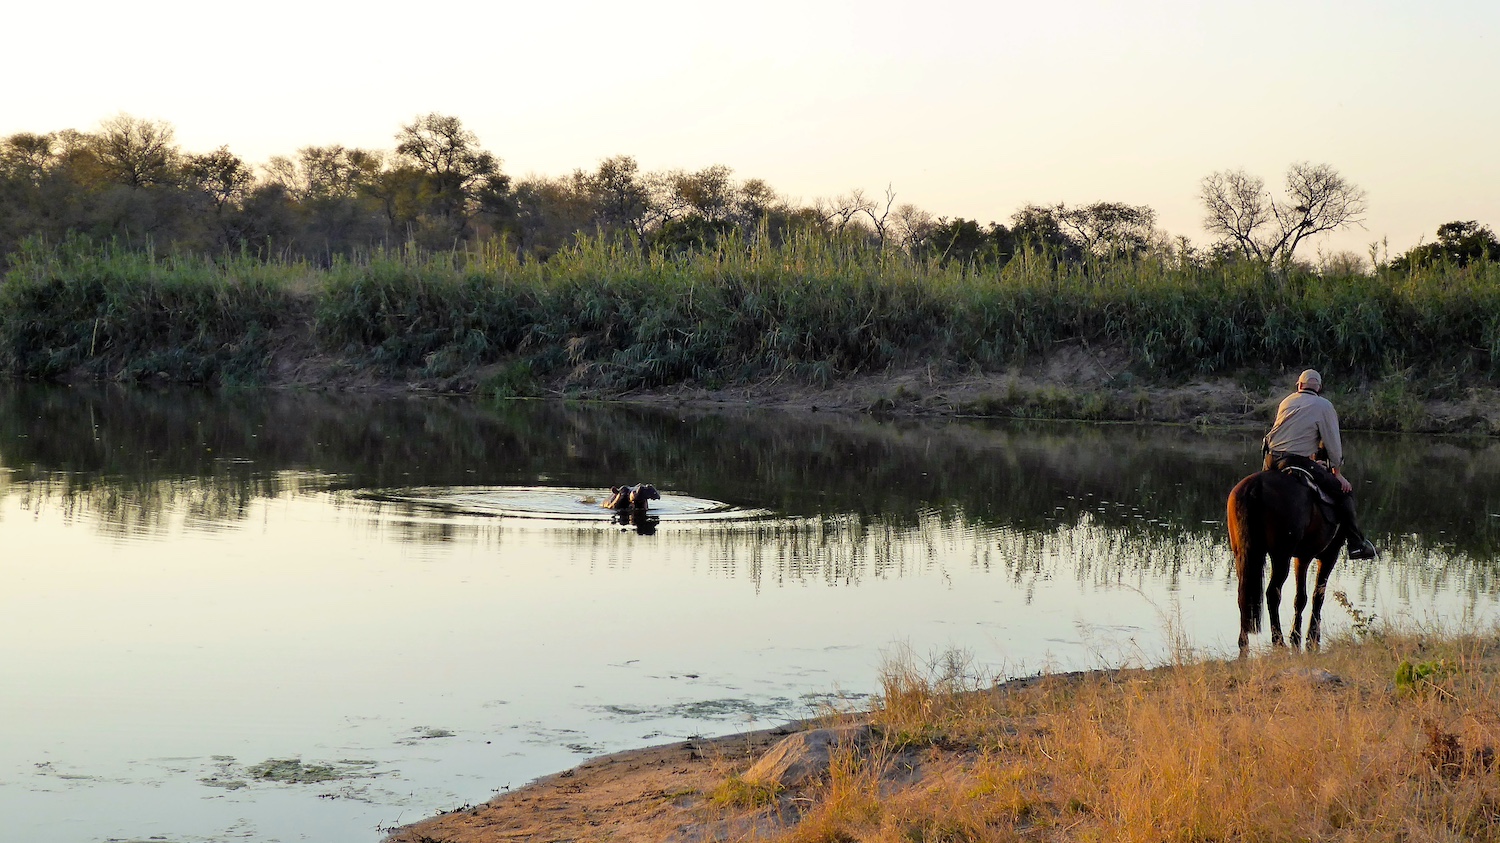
1413,677
736,792
514,380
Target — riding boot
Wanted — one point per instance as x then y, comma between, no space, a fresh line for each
1359,546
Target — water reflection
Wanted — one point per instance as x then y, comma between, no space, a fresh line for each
125,459
197,586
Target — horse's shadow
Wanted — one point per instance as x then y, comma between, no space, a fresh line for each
1273,515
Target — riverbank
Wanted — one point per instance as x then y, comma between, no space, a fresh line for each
1073,383
807,322
1054,389
1068,386
1385,735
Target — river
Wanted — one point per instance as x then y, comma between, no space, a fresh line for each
307,617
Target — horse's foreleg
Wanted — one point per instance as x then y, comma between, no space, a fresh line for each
1299,603
1315,620
1280,567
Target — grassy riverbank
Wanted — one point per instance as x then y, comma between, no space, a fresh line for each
1392,737
602,320
1387,735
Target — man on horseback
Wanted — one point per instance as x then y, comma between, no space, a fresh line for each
1306,424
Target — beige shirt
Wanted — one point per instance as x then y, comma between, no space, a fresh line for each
1304,421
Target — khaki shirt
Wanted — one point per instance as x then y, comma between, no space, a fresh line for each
1304,421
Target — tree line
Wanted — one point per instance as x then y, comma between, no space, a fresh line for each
129,182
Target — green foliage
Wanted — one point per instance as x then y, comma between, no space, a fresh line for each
129,315
606,315
736,792
1362,622
1461,243
514,380
1391,403
965,242
1412,677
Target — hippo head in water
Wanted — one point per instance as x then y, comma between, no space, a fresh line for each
631,497
642,493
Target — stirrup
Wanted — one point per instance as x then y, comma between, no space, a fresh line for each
1364,551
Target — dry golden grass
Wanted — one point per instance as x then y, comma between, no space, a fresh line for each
1387,738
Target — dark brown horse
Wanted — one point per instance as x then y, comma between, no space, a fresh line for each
1273,514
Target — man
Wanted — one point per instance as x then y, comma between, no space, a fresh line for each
1306,423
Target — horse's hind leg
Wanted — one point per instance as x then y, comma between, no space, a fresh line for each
1249,565
1249,600
1280,567
1299,603
1315,620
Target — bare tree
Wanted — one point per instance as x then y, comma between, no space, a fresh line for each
880,216
338,172
911,226
136,152
1340,264
284,173
1264,228
840,212
325,172
1238,206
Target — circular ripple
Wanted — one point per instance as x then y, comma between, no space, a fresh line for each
555,502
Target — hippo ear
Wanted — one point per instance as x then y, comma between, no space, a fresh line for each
616,489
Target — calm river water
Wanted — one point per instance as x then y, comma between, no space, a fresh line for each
281,617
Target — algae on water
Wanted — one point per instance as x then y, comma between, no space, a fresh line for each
285,771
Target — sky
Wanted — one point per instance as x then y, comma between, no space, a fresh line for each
968,109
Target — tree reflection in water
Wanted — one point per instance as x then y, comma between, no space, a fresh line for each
1103,503
298,575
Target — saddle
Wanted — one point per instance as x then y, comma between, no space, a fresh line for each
1306,477
1323,502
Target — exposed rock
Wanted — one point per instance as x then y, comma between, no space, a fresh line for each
1314,676
804,756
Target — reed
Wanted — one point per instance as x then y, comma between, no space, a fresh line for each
108,313
1388,736
605,316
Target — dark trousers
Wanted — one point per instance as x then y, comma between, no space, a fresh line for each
1328,482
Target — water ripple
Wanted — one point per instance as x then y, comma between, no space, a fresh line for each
553,502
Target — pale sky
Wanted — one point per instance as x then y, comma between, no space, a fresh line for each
964,108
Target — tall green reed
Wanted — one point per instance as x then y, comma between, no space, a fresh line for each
606,315
107,312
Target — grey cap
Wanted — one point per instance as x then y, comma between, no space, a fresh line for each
1310,379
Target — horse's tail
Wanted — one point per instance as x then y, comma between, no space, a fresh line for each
1245,533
